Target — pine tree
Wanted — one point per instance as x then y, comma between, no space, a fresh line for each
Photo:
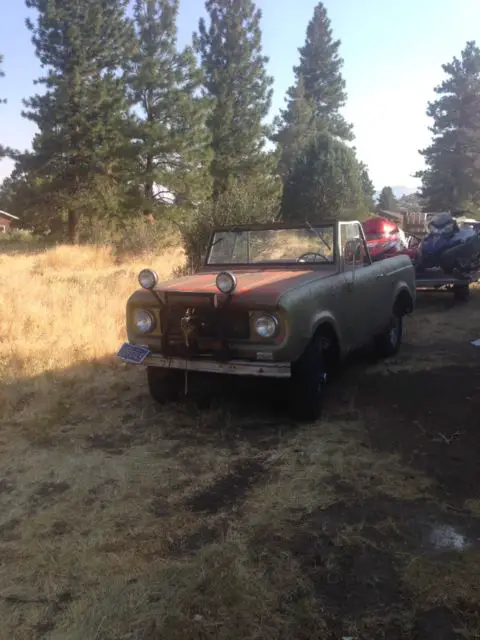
30,198
325,182
315,100
387,200
236,80
320,67
451,180
367,188
171,138
296,125
82,114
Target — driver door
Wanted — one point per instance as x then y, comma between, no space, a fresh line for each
358,280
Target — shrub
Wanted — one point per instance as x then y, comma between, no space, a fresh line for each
21,240
243,203
140,235
133,236
325,182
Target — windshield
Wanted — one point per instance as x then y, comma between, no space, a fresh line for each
313,244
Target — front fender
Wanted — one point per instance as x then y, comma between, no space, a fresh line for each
321,317
406,293
326,317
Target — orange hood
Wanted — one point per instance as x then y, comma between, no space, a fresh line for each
254,285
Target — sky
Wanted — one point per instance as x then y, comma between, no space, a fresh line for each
393,53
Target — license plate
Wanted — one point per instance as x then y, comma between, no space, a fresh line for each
133,353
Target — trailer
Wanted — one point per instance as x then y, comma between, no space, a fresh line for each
436,280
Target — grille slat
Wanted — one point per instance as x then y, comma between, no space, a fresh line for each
236,322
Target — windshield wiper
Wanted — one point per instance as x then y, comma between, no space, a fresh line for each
221,239
318,235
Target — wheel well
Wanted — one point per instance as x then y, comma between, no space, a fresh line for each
403,303
332,347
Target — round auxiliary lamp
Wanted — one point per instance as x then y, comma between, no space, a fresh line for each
226,282
147,279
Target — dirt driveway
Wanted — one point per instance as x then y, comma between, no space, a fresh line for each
120,520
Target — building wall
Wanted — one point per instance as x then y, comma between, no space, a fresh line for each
5,224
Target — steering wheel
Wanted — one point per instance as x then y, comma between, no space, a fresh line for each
313,254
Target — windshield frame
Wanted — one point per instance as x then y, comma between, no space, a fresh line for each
274,226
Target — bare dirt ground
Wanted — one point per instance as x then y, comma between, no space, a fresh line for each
122,520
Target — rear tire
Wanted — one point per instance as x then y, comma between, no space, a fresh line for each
309,377
388,342
164,384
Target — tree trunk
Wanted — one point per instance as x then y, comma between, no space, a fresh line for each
73,230
148,195
220,186
148,187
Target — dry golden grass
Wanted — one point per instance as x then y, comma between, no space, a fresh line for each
62,307
121,521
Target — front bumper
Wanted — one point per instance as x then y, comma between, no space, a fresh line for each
230,367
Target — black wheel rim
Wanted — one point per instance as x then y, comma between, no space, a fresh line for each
394,331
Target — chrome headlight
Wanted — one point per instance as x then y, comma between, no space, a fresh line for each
147,278
144,321
266,326
226,282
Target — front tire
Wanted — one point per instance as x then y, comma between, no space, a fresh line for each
164,384
388,342
307,385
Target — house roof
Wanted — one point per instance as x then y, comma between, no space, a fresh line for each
8,215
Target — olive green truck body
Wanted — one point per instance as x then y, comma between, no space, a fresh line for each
263,295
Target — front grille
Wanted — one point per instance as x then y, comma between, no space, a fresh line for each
211,323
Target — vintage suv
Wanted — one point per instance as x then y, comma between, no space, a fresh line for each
273,300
